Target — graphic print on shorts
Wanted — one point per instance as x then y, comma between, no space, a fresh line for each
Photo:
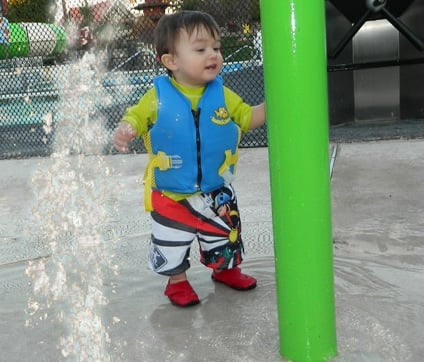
157,259
211,218
230,254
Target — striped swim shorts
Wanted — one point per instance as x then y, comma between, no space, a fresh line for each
211,218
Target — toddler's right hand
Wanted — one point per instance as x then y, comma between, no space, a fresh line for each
124,133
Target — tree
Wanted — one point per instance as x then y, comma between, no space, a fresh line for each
86,14
225,12
36,11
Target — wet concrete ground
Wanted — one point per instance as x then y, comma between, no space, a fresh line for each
378,130
378,208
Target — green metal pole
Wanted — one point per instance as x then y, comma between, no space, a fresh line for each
297,119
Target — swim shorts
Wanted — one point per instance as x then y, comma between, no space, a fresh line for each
211,218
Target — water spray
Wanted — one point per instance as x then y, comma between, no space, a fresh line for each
71,214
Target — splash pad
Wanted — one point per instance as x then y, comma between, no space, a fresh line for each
378,267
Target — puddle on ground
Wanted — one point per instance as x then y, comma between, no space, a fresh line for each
379,310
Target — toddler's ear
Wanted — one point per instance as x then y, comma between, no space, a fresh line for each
168,61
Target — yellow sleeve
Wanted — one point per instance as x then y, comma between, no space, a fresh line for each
240,111
143,114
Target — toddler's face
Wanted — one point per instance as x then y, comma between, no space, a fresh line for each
198,58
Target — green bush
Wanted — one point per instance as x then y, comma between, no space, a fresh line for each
237,48
30,11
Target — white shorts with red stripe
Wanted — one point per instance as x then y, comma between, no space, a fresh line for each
213,219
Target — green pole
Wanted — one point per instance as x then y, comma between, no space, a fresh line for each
297,119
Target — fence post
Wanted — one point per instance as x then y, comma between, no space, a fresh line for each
297,120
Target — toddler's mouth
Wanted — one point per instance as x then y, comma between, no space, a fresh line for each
211,67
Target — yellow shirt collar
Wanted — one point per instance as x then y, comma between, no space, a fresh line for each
192,94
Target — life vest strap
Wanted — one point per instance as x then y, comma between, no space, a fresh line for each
230,160
163,162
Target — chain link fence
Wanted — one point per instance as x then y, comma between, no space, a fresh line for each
101,61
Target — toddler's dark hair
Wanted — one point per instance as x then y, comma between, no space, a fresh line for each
169,26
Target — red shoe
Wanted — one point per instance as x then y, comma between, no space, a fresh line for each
181,294
234,278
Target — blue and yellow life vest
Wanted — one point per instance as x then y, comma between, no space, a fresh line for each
190,151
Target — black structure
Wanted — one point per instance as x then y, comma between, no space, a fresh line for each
375,59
